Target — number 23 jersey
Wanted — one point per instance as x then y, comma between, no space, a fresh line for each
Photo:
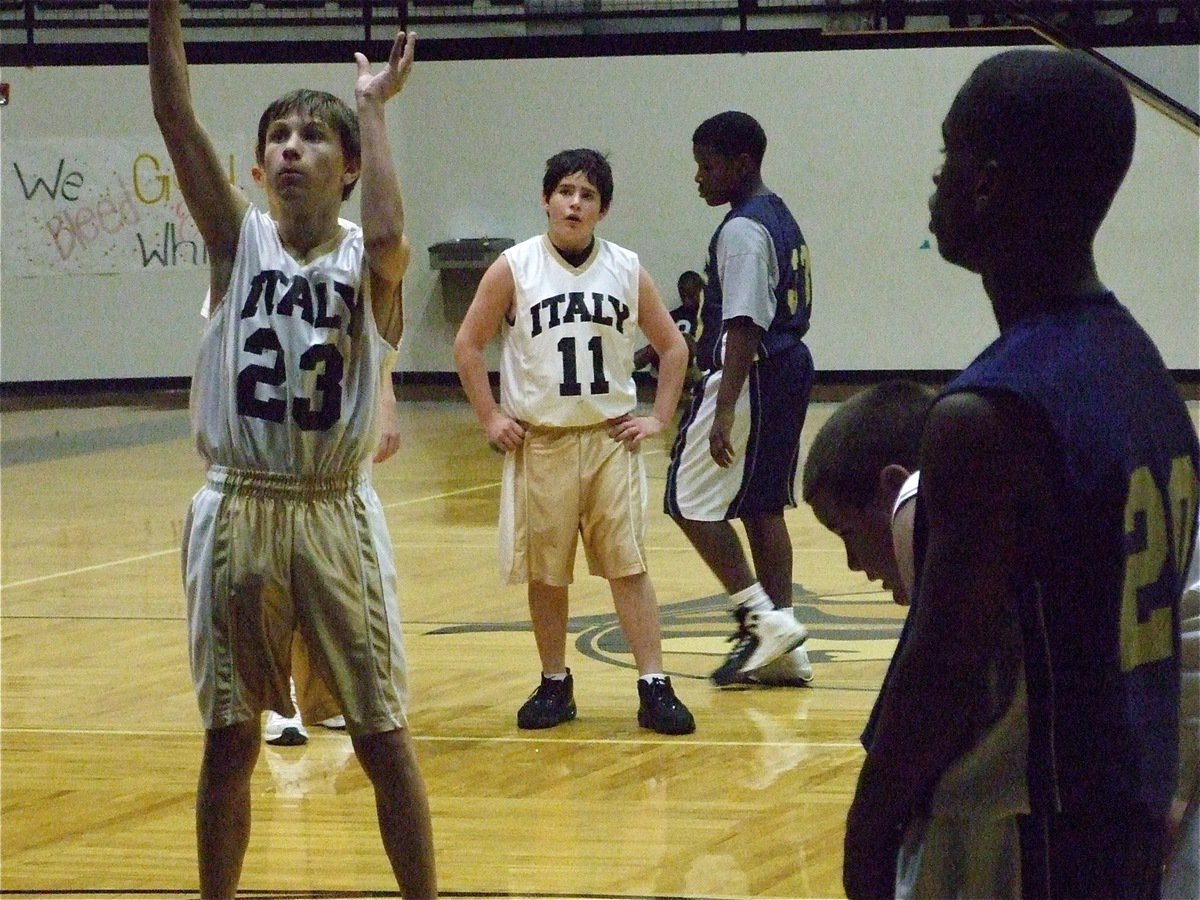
567,355
289,367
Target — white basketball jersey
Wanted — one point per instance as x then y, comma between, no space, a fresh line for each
908,491
567,355
290,363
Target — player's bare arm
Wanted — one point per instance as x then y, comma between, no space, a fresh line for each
389,420
382,208
389,313
660,329
742,337
980,489
493,300
216,206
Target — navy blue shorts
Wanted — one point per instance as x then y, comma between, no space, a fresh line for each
768,420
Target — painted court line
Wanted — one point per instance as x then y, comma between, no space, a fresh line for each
25,582
94,568
478,739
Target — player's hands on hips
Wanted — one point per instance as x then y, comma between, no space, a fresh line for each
505,434
632,430
720,447
386,83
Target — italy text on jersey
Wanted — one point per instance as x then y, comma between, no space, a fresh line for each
331,306
574,306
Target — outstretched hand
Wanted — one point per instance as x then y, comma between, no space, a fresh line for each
387,83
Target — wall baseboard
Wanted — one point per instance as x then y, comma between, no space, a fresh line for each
831,386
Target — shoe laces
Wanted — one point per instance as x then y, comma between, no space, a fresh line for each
660,693
743,635
548,690
740,640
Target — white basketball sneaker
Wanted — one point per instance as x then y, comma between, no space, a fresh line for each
790,670
762,637
280,731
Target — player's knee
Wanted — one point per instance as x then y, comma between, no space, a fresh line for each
231,752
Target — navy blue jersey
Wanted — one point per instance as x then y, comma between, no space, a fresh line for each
685,320
1100,608
793,296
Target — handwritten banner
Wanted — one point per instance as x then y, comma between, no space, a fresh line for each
100,207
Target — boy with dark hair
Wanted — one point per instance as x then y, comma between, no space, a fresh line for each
593,166
738,445
1059,485
566,304
288,533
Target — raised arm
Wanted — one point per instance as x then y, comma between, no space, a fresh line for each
216,206
382,207
493,298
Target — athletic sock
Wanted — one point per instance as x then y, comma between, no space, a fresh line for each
753,599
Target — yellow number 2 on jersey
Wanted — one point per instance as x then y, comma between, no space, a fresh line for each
1145,515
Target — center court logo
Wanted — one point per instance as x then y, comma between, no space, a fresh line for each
857,628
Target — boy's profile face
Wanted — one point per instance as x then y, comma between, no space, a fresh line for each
719,178
957,208
866,533
573,209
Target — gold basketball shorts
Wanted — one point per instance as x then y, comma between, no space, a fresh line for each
266,555
567,483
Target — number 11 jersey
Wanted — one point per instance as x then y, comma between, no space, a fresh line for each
567,354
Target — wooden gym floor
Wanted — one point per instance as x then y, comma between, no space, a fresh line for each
100,739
